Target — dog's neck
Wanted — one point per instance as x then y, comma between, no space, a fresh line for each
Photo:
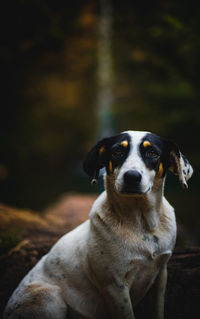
129,208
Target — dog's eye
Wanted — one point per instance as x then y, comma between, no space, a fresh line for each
117,154
152,154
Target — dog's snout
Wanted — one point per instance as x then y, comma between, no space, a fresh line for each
132,178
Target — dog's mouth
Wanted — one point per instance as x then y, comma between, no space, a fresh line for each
134,191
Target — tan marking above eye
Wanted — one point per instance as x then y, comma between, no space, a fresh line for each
146,143
124,143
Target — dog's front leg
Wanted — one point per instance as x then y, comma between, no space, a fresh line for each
118,301
157,294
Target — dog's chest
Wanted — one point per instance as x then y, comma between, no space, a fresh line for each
141,256
147,248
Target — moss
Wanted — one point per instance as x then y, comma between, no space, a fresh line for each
10,239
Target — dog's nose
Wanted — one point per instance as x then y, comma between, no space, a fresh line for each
132,178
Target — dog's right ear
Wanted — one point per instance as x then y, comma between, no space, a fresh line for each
96,159
178,163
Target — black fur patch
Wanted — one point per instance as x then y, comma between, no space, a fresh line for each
112,150
118,153
157,152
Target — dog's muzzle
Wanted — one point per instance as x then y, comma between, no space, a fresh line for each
132,182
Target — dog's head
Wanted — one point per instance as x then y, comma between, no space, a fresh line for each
135,160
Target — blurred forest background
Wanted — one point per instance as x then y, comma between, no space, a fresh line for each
74,71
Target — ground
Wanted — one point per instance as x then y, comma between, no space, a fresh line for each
25,236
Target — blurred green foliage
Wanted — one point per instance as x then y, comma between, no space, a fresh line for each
48,61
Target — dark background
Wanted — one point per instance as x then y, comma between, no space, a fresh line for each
50,93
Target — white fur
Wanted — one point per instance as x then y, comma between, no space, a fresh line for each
135,162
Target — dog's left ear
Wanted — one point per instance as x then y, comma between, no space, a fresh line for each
96,159
178,163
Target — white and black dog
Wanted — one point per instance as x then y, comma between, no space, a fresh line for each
104,267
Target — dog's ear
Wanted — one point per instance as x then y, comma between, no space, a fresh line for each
178,163
96,159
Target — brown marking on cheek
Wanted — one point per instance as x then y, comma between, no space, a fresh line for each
160,170
102,150
124,143
146,143
110,167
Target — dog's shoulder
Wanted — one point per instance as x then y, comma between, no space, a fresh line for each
99,205
166,231
167,217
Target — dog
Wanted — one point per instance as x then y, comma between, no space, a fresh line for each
105,266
